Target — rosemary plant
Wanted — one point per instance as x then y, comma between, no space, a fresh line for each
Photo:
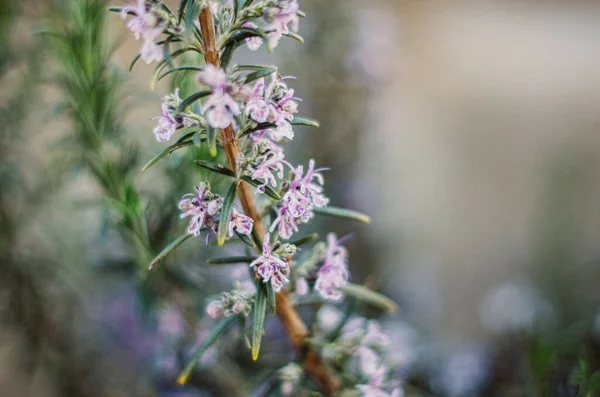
248,112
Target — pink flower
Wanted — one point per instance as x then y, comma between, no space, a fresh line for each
271,267
214,309
375,386
147,23
304,193
334,272
278,18
203,209
240,222
257,107
274,104
266,161
301,286
220,107
253,43
170,121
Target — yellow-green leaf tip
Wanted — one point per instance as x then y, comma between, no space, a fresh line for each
255,351
182,379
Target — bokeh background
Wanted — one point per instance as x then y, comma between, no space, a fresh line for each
467,129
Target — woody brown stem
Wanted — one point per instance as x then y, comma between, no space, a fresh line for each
292,322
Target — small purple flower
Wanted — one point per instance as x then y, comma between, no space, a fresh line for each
253,43
375,386
301,286
304,193
147,23
202,209
238,301
278,17
266,161
270,267
334,272
220,107
259,109
170,120
240,222
215,309
274,104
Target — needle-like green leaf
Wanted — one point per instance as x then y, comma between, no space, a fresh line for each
367,295
343,213
219,329
169,249
215,167
258,326
226,213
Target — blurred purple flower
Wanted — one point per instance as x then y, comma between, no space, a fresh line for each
278,16
253,43
334,272
147,23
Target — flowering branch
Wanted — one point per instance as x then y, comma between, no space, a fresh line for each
292,322
255,117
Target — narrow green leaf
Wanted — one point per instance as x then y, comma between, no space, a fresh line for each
212,141
343,213
178,69
367,295
256,127
133,61
271,299
182,5
167,53
115,9
227,54
219,329
304,121
251,67
197,139
305,240
269,191
247,3
226,210
258,326
166,152
236,10
191,99
215,167
191,13
163,254
267,71
246,239
238,36
231,260
294,36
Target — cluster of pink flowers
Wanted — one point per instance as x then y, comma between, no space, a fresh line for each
333,274
238,301
204,209
266,161
277,15
273,266
171,119
148,23
304,193
360,349
274,104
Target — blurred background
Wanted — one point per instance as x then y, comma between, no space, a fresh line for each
467,129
